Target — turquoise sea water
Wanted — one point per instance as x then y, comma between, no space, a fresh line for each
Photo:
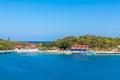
58,67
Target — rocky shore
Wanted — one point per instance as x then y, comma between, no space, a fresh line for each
53,51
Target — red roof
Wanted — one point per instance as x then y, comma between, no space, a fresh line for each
32,46
79,47
19,46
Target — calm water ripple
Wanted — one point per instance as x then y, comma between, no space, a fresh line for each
58,67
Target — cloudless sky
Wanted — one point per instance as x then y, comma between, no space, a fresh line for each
26,20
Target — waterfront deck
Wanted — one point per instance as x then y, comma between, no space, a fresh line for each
6,51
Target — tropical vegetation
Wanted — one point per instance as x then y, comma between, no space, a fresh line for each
9,45
94,42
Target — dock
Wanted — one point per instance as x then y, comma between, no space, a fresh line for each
6,51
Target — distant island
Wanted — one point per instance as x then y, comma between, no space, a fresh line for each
96,43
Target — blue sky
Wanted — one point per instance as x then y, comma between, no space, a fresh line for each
24,20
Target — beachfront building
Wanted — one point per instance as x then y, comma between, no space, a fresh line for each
79,48
30,48
33,48
19,47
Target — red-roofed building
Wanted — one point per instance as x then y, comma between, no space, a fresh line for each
33,47
19,47
79,47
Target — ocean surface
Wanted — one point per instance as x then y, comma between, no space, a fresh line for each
59,67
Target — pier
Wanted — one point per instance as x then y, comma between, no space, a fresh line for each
6,51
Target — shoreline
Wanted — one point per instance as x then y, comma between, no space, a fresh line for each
106,52
55,52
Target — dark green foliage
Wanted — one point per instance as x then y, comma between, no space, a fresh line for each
94,42
10,45
64,45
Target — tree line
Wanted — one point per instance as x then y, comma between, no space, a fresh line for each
10,45
94,42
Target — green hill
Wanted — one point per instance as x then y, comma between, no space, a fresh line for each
9,45
94,42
